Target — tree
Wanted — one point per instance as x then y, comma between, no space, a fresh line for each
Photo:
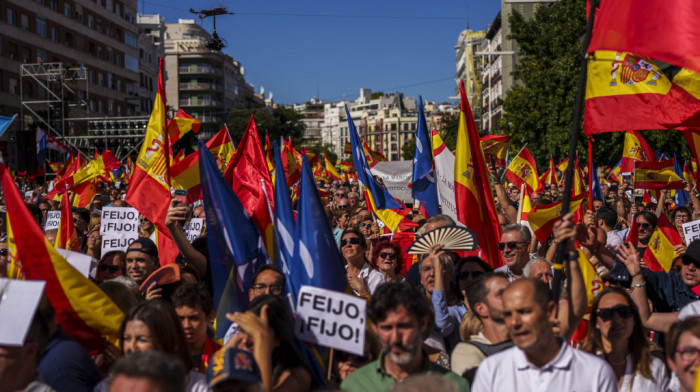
324,149
278,122
408,150
539,109
448,126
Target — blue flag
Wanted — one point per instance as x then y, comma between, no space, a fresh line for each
423,185
284,227
595,186
382,198
682,197
236,249
5,123
317,261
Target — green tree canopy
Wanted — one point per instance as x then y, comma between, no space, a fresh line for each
278,122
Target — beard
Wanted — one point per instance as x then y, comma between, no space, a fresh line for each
409,351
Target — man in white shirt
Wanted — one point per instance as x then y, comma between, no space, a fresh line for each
514,247
540,361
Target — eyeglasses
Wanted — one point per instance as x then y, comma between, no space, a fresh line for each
95,237
363,224
111,268
687,260
348,241
624,312
274,288
510,244
688,353
343,206
469,274
144,220
385,255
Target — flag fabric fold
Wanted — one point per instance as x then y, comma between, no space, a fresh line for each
522,170
657,175
660,253
423,180
180,125
285,230
543,217
496,147
67,237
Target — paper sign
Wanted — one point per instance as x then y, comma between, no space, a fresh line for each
53,220
194,229
691,231
79,261
18,302
119,228
396,176
331,319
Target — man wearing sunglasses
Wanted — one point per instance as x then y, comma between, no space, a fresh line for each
515,239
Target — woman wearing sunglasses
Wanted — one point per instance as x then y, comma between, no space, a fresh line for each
361,276
386,258
616,334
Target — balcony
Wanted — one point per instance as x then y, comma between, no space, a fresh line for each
200,102
210,119
197,69
200,86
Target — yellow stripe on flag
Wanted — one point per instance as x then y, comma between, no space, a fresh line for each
610,73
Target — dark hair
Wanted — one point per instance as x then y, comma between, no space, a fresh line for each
40,328
691,324
159,367
356,231
638,344
270,267
469,259
680,209
84,213
390,295
164,327
286,355
478,291
380,247
649,217
608,215
193,295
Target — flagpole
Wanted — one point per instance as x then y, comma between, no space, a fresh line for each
590,174
573,141
520,203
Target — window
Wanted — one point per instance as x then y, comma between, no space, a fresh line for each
69,40
131,63
54,5
91,76
41,26
12,51
11,16
110,55
27,55
131,39
66,10
110,80
99,52
14,86
79,13
119,85
24,22
108,29
101,106
91,22
99,25
100,80
41,55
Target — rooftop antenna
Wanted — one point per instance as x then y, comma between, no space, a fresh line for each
215,43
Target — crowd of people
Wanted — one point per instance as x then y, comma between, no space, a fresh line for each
448,322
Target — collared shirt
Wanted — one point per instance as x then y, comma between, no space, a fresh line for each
373,376
570,370
504,269
634,381
371,277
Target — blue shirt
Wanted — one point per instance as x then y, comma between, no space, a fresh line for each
66,366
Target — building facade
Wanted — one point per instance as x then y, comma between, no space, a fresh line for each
492,77
312,113
469,66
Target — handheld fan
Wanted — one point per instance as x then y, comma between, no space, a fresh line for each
452,238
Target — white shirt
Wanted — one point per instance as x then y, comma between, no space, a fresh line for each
613,239
371,277
642,384
571,370
690,310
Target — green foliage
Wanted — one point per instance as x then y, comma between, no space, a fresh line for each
408,150
448,127
325,149
278,122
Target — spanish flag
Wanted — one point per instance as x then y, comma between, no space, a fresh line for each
149,187
475,206
636,149
291,163
67,237
522,170
525,205
680,108
692,136
330,169
394,219
179,125
622,90
550,176
496,146
616,173
688,175
82,309
269,157
660,254
83,194
591,279
657,175
563,165
543,217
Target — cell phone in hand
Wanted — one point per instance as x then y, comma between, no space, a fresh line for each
181,196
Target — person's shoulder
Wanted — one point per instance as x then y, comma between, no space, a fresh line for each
197,382
362,378
690,310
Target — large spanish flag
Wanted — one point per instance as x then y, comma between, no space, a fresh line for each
475,206
622,90
82,309
394,219
635,149
680,108
657,175
149,187
660,254
496,146
67,237
522,170
543,217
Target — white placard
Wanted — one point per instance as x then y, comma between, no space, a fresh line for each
445,181
194,229
396,176
691,231
53,220
20,299
119,228
331,319
79,261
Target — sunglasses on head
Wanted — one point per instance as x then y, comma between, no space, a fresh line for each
624,312
509,244
469,274
348,241
687,260
386,255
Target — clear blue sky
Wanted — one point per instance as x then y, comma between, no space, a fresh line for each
331,49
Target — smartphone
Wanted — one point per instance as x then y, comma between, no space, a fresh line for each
181,196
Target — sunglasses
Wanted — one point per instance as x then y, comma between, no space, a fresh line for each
469,274
624,312
110,268
342,207
510,244
385,255
365,224
644,226
686,260
348,241
3,252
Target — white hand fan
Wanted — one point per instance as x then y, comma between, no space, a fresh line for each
452,238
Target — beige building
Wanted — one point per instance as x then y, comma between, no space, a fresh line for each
151,48
312,117
469,69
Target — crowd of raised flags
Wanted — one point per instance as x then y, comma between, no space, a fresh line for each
271,204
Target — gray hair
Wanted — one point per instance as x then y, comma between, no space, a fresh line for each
525,232
449,222
533,261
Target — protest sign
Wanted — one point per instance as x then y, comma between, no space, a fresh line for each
53,220
331,319
396,175
20,299
691,231
194,229
119,228
445,181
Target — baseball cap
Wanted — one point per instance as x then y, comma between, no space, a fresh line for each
147,246
233,365
693,251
